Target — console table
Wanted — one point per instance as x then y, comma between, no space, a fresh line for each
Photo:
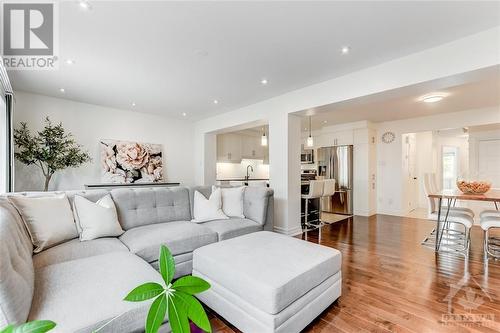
119,185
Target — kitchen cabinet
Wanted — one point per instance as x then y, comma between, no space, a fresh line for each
229,148
232,148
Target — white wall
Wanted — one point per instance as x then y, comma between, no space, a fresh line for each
91,123
467,54
389,156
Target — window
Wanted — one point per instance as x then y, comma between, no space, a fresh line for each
3,145
450,167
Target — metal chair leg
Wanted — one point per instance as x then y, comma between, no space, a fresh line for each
485,244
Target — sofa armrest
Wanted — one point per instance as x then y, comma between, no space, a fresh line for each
258,206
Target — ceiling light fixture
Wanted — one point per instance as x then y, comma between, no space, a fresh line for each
62,90
263,82
216,101
345,49
310,141
325,121
432,98
184,114
84,4
263,138
133,104
70,62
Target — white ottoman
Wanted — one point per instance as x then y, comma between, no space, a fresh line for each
267,282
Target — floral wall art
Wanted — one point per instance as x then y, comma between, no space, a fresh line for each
131,162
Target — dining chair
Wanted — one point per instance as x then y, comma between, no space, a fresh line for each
454,238
491,244
432,182
315,192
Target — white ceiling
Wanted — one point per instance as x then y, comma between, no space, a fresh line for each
175,57
474,90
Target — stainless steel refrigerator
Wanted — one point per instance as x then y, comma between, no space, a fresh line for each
336,163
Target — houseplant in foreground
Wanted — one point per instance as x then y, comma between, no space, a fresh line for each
51,149
35,326
175,299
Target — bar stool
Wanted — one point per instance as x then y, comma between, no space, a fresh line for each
315,192
430,178
328,192
491,244
489,213
456,240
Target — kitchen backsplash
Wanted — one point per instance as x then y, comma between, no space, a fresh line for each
239,170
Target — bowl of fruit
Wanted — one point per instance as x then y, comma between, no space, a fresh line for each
473,186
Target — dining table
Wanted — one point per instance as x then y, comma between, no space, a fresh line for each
450,197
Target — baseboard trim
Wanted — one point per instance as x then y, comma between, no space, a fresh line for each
290,232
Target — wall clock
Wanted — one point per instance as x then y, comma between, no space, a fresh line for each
388,137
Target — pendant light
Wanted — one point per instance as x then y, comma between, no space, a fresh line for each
310,141
263,138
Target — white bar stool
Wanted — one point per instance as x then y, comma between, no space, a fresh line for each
315,192
491,244
328,192
453,239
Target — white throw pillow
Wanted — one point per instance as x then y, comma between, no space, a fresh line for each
49,220
232,201
208,209
97,219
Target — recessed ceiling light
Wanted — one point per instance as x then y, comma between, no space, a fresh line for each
345,49
84,4
62,90
263,82
184,114
70,62
432,98
133,104
216,101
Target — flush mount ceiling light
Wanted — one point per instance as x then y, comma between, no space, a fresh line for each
133,104
432,98
310,141
345,49
84,4
263,82
184,114
70,62
62,90
216,101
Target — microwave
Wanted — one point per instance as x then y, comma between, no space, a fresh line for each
307,156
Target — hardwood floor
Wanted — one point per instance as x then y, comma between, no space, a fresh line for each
393,284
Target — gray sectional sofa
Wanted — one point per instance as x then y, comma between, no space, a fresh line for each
80,285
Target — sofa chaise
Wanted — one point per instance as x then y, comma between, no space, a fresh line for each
81,285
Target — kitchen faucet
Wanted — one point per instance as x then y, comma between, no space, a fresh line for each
248,174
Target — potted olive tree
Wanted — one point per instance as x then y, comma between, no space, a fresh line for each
51,149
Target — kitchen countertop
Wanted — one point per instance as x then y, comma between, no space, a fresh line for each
240,179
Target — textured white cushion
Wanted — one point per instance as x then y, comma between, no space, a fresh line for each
208,209
490,222
232,201
49,220
266,269
97,219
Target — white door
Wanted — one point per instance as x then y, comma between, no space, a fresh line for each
410,166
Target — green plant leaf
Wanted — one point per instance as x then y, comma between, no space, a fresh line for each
167,264
35,326
7,329
156,314
191,285
144,292
177,315
195,310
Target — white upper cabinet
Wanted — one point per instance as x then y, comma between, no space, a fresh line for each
232,148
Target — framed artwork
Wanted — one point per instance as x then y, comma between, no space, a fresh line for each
131,162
